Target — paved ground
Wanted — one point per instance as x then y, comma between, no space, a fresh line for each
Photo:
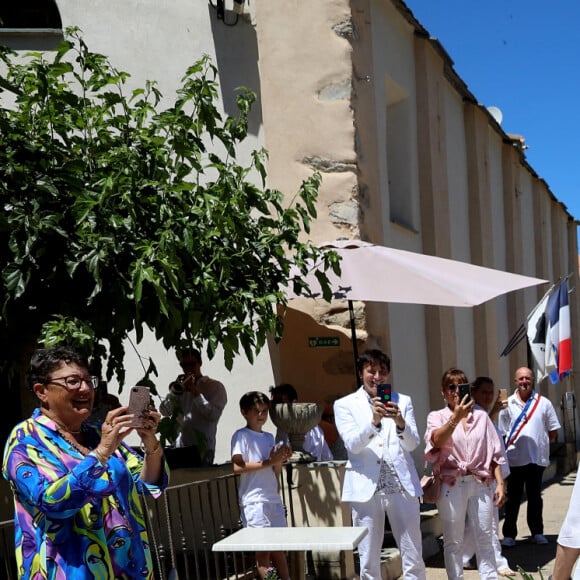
529,556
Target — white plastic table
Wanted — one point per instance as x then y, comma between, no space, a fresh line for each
333,539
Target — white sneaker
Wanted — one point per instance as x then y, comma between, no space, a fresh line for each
508,542
539,539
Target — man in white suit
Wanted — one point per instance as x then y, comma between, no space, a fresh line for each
380,473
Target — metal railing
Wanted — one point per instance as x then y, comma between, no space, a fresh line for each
7,559
183,525
198,515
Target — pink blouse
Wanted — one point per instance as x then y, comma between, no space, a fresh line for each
475,450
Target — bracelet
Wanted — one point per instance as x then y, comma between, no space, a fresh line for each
453,423
100,456
154,450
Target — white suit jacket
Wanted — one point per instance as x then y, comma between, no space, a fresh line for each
364,444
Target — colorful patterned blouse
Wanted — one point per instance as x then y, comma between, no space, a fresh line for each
75,519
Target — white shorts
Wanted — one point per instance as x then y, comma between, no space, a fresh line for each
264,515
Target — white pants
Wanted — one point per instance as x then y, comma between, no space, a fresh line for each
468,497
469,544
404,517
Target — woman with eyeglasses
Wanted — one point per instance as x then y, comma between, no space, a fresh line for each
464,448
76,484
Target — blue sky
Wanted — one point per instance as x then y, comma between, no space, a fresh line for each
522,56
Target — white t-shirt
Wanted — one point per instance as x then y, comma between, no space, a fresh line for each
260,485
532,444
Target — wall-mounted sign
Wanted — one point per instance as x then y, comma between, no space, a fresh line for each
323,341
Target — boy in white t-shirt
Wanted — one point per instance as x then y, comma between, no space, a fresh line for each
256,457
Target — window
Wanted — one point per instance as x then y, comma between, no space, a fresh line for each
30,24
399,155
30,14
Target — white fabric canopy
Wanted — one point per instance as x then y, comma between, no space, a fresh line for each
375,273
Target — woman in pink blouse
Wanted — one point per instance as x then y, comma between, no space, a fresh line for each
464,448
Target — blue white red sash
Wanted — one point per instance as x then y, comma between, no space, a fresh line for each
521,421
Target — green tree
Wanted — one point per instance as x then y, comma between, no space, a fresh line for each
119,215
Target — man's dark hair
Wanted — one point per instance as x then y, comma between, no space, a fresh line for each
284,390
373,356
189,352
481,381
46,360
253,398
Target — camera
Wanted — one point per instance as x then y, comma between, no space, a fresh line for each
177,387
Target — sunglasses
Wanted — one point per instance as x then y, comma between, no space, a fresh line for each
451,388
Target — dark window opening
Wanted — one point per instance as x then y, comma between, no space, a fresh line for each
30,14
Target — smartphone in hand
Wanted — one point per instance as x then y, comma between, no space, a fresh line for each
465,389
139,400
384,393
503,395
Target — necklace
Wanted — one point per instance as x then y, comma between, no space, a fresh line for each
66,429
66,436
61,427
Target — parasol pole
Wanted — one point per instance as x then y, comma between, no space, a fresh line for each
354,343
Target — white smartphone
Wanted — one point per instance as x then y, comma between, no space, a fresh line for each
139,400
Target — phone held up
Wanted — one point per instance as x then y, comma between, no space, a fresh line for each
138,403
503,395
384,393
465,389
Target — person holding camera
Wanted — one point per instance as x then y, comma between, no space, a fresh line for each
197,403
380,473
77,486
465,450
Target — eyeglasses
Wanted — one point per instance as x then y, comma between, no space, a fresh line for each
74,382
452,387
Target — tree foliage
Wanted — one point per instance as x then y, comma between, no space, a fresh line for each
119,214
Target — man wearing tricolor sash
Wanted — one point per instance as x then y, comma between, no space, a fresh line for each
528,425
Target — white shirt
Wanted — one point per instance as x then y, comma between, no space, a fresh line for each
314,443
260,485
532,444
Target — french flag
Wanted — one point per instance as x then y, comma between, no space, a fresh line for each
558,336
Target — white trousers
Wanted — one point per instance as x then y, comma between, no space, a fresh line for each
468,497
404,517
469,544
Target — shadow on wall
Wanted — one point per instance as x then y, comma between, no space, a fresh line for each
236,49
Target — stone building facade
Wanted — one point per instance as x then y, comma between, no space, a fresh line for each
358,90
